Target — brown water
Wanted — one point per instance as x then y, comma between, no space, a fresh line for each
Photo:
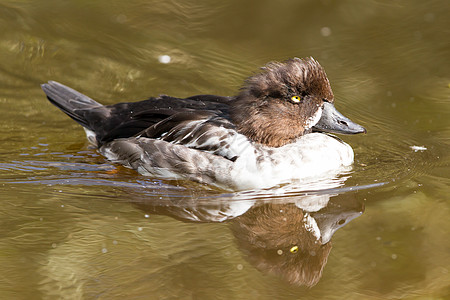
74,226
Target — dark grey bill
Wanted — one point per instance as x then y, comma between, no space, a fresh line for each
334,122
338,213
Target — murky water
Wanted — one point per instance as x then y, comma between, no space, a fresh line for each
75,226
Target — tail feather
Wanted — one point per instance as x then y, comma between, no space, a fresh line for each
71,102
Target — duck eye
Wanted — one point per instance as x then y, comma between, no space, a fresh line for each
294,249
296,99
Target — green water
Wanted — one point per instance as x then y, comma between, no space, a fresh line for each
74,226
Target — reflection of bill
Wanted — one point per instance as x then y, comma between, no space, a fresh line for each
287,234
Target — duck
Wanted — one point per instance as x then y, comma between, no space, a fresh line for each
279,128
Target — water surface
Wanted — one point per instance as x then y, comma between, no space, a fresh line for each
75,226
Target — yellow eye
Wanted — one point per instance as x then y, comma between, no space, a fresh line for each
294,249
296,99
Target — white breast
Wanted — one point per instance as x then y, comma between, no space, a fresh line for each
310,158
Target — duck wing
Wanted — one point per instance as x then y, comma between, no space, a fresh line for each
153,118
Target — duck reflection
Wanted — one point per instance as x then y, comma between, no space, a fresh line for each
284,236
288,241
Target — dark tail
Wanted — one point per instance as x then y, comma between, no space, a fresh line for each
76,105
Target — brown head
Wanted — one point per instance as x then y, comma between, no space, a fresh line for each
283,102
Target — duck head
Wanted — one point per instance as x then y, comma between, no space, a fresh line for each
287,100
277,239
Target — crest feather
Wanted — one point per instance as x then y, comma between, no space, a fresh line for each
292,77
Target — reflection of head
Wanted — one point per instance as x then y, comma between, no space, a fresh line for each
280,240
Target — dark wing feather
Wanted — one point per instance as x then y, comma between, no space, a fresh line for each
155,116
201,130
198,121
178,124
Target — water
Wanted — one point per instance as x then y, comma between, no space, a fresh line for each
75,226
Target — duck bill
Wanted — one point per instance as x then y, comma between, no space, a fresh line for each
329,221
334,122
